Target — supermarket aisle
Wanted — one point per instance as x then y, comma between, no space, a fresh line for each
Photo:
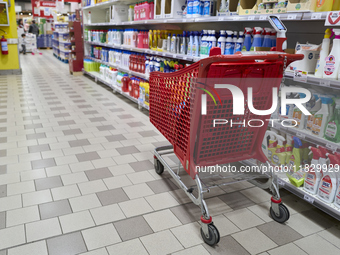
76,175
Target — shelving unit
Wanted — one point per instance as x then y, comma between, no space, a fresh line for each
298,29
76,58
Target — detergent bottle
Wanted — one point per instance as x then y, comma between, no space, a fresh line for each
336,5
221,41
296,174
247,39
329,182
239,43
229,45
332,63
265,143
313,106
298,115
321,117
324,5
272,144
257,40
323,160
267,41
305,152
323,53
314,173
279,156
337,194
289,148
332,130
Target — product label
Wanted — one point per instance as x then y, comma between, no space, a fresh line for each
206,8
204,48
222,46
4,46
337,197
238,47
229,49
330,65
310,121
320,3
331,129
194,47
297,116
298,175
196,7
190,7
325,188
317,123
310,180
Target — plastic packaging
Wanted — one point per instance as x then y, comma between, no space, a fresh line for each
257,37
295,174
131,13
289,148
190,5
247,39
190,44
323,53
321,117
332,130
208,9
279,156
272,144
324,5
239,42
222,41
196,9
332,63
229,45
314,173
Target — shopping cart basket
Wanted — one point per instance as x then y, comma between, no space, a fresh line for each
176,101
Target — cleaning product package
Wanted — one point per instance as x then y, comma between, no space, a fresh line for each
289,148
272,144
279,155
332,63
314,173
320,65
332,130
296,174
298,115
324,5
313,106
328,184
311,54
321,117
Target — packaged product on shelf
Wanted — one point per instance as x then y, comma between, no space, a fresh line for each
279,155
298,115
311,53
321,117
289,148
314,173
324,5
267,41
328,184
257,38
313,106
336,5
332,130
247,40
272,144
331,69
323,53
296,174
229,45
239,42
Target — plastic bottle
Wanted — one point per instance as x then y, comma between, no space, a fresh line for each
295,174
328,184
324,5
212,40
190,44
208,9
267,41
224,6
279,156
332,63
131,13
265,143
196,9
239,42
178,43
168,44
337,194
152,8
323,53
190,6
272,144
204,44
313,106
314,173
247,39
298,115
195,46
257,40
221,41
173,44
234,40
289,148
229,45
183,44
321,117
185,10
332,130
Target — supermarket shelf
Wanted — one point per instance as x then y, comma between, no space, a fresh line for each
97,77
312,80
141,75
104,5
148,51
314,16
301,193
307,136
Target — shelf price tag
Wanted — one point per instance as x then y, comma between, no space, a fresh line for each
324,82
331,146
165,21
220,18
184,20
291,16
185,58
308,198
263,17
251,17
281,182
300,76
174,56
301,135
316,15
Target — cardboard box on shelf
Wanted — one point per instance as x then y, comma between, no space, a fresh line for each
301,5
280,10
269,1
173,9
232,8
248,7
265,11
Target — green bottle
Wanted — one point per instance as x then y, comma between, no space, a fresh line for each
332,130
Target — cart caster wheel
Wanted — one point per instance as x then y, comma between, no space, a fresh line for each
214,235
159,168
284,214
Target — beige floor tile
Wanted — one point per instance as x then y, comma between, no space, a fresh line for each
42,229
162,220
76,221
101,236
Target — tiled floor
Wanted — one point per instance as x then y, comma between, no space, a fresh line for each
77,177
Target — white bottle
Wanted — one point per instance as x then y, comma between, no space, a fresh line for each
173,44
321,117
229,45
320,65
211,40
329,181
196,9
221,41
235,40
314,173
331,69
195,48
239,43
204,44
190,44
168,45
298,115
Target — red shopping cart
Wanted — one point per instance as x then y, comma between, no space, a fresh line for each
183,108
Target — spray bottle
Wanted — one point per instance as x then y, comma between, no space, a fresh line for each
314,173
247,40
328,184
337,194
257,41
265,143
332,131
204,44
323,54
239,43
321,117
295,174
272,144
267,41
229,45
313,106
221,41
279,156
323,160
331,68
234,40
298,115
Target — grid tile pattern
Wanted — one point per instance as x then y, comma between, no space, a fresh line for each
77,177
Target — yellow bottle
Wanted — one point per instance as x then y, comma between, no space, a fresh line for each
279,156
324,5
336,5
154,41
289,148
272,144
150,39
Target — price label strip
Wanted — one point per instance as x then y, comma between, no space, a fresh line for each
308,198
316,15
251,18
300,76
326,83
301,135
263,17
291,16
281,183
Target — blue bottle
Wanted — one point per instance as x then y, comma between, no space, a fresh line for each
229,45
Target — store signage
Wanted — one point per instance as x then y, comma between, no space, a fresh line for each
48,4
238,99
333,19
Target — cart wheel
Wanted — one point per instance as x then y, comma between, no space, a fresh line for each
284,214
214,235
159,168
